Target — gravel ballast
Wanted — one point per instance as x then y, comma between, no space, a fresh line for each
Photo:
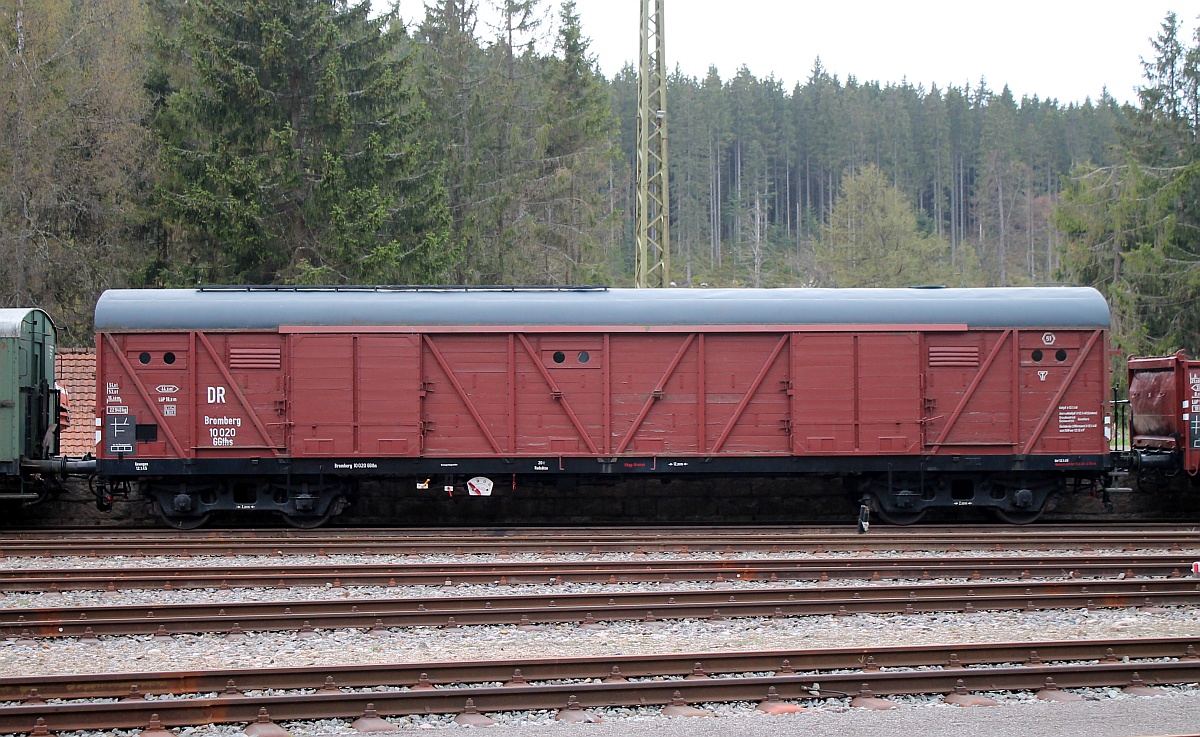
1105,713
430,644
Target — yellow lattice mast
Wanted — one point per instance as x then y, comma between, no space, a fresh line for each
653,210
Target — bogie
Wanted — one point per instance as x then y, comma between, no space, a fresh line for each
301,502
905,499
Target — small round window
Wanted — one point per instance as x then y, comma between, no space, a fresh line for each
144,358
1060,355
1037,355
559,356
584,357
168,358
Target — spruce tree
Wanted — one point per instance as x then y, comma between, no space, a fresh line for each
579,138
292,150
1133,227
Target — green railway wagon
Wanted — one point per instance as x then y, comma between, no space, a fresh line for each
28,401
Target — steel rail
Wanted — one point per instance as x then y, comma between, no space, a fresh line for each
867,659
335,703
638,605
594,571
605,540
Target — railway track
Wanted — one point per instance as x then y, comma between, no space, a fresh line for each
593,571
530,610
958,672
410,675
500,542
700,574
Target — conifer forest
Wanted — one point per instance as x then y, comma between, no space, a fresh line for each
166,143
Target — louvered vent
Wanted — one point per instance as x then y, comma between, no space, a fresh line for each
954,356
253,358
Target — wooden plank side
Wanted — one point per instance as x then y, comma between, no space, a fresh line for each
388,396
975,401
558,402
654,402
889,393
178,415
749,407
321,404
263,386
823,421
1064,384
466,389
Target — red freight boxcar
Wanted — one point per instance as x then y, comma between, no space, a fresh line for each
281,398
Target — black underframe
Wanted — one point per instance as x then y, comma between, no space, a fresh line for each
897,483
134,468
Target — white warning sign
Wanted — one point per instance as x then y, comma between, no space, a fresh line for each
1073,419
479,486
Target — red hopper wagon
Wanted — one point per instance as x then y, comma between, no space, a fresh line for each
284,398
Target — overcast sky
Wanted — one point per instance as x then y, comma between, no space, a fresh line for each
1063,49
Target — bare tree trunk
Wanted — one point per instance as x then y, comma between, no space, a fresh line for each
953,213
737,193
21,236
807,182
963,215
829,197
1029,218
799,235
1002,254
787,190
1051,232
757,225
714,212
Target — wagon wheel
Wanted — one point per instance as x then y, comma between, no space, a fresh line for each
1018,517
309,522
1152,480
898,518
180,523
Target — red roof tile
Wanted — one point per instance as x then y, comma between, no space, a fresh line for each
76,372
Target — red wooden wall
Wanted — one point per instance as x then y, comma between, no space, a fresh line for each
342,393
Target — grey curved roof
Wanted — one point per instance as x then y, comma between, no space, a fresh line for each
271,307
13,318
